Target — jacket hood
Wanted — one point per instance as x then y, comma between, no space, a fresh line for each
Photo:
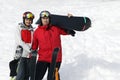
38,21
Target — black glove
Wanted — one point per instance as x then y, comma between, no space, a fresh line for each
33,53
71,32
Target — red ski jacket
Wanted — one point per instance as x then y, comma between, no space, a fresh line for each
45,40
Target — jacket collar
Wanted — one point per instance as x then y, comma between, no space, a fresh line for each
43,27
22,25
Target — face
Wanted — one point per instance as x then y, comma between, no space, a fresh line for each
45,21
28,22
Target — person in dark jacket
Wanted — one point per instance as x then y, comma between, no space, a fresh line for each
45,38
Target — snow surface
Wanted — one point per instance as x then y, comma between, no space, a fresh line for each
90,55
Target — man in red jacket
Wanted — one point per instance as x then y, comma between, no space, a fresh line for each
45,38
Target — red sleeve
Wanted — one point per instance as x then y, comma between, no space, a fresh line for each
62,31
35,42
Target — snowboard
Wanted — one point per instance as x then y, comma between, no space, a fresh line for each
53,64
71,23
33,65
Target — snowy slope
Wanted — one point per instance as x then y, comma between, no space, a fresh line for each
90,55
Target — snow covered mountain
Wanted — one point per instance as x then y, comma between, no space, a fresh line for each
90,55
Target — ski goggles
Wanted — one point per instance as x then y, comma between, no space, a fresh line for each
44,14
29,16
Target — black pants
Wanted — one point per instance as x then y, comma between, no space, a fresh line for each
41,69
13,67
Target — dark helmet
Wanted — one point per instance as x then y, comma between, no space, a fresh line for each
43,14
28,15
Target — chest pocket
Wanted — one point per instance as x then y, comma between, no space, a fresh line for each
26,36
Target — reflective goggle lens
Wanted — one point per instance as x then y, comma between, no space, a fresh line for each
44,14
29,16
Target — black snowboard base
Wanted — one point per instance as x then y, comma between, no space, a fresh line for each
33,65
71,23
53,64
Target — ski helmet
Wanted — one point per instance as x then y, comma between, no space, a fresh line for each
28,15
43,14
